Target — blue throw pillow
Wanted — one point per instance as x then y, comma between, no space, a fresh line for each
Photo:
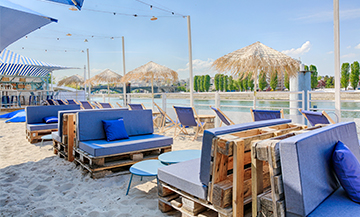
347,169
115,129
50,119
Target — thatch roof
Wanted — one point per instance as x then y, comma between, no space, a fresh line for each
255,57
107,76
151,71
72,80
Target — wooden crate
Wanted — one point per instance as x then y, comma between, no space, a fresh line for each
35,136
100,166
269,202
65,148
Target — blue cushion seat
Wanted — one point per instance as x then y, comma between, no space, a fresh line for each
184,176
41,126
115,129
133,143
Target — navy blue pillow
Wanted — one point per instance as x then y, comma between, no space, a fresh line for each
50,119
115,129
347,169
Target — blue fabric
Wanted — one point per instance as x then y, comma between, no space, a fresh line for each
115,129
184,176
133,143
146,168
71,102
35,114
337,204
135,106
261,115
306,165
86,105
185,115
315,117
43,126
90,127
211,133
19,117
221,116
11,114
105,105
50,119
347,169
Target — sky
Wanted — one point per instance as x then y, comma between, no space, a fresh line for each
302,29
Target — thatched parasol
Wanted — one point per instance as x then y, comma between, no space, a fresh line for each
72,80
256,57
151,72
107,76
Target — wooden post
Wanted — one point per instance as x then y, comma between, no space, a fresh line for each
238,179
256,179
71,135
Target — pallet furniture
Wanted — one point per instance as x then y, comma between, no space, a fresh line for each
98,156
213,188
36,127
306,184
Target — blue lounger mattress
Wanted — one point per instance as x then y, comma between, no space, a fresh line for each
184,176
134,143
41,126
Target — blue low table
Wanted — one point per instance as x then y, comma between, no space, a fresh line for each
144,168
173,157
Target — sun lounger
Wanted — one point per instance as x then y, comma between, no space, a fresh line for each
136,106
260,115
166,118
118,105
105,105
317,117
224,119
50,102
86,105
71,101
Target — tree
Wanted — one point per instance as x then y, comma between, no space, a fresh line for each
250,81
221,82
286,81
245,83
329,81
226,83
262,80
314,75
345,75
196,78
216,82
306,68
274,80
207,83
230,83
321,84
354,75
201,83
239,82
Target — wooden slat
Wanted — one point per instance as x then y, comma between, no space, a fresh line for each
238,180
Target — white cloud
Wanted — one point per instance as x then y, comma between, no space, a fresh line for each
330,52
328,16
348,47
357,46
350,55
298,51
200,67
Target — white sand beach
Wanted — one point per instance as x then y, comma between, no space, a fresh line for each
35,182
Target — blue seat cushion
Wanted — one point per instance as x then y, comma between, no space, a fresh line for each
347,169
337,204
211,133
184,176
115,129
133,143
55,136
42,126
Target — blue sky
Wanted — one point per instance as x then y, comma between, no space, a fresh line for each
302,29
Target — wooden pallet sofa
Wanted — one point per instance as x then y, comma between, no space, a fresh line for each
35,125
196,180
99,157
63,139
307,185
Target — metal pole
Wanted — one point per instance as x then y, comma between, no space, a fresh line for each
88,64
217,105
191,80
337,59
51,81
85,81
124,85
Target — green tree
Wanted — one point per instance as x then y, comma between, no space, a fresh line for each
345,75
250,81
306,68
221,82
202,82
354,75
274,80
239,82
216,82
314,75
245,82
225,83
196,78
230,83
262,80
286,81
207,83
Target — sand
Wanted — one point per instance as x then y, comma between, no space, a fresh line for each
35,182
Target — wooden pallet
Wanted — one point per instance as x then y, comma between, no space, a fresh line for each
269,202
100,166
35,136
65,148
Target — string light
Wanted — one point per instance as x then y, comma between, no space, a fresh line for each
153,18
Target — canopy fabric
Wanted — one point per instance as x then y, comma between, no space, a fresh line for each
12,63
76,3
16,21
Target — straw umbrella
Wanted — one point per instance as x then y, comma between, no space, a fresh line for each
72,80
255,57
151,72
107,76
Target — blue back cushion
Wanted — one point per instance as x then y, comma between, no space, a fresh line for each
115,129
90,126
35,114
347,169
308,176
50,119
211,133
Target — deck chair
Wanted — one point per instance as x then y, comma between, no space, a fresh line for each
72,102
224,119
187,117
105,105
60,101
136,106
166,118
86,105
50,102
317,117
261,115
120,106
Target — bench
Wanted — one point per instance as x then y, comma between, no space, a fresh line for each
209,183
99,156
35,125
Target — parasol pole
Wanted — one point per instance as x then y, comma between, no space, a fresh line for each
191,81
337,60
124,85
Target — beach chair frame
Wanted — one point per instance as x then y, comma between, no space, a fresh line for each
101,106
142,105
165,117
252,113
199,127
331,121
226,117
82,106
118,105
